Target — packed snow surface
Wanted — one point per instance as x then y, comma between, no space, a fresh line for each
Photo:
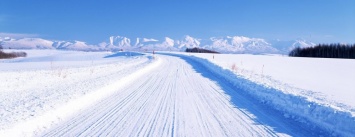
71,93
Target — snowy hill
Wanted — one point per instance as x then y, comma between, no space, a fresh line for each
75,45
228,44
280,45
39,43
26,43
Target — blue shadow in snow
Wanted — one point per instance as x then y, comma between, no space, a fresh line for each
124,54
263,114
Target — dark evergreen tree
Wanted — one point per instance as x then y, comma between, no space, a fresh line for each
199,50
325,51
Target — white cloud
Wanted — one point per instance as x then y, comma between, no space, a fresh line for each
18,35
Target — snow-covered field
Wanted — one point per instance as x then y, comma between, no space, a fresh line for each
328,80
33,89
71,93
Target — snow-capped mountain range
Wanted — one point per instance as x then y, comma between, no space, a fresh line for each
228,44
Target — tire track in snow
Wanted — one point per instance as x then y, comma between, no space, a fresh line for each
42,100
171,100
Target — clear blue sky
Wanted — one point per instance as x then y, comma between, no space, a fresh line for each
95,20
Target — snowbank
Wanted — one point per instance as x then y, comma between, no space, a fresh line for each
293,106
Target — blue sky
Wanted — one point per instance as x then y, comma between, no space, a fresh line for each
320,21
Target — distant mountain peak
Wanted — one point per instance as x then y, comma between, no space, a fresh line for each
149,40
227,44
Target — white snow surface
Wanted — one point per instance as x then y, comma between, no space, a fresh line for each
35,89
328,80
72,93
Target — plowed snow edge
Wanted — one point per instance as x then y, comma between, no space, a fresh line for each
298,108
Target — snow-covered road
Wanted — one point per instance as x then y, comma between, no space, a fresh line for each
179,98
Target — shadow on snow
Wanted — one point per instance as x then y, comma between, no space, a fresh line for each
124,54
262,113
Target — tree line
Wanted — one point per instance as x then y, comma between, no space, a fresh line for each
325,51
199,50
4,55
